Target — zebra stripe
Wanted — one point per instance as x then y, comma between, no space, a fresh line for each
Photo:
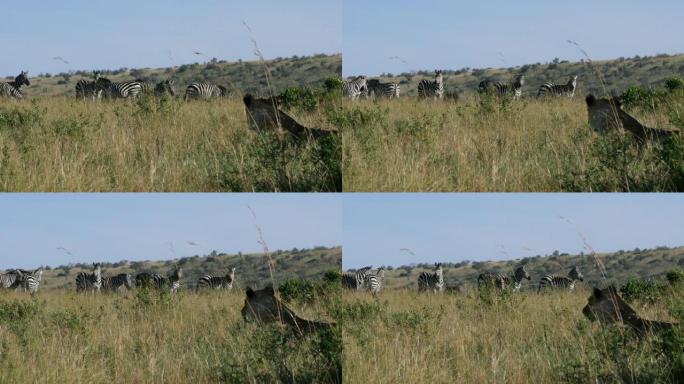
388,90
13,88
353,88
204,91
217,282
11,279
374,280
122,90
164,87
149,280
89,281
32,281
559,90
501,282
433,281
427,88
114,283
503,89
85,88
355,280
561,282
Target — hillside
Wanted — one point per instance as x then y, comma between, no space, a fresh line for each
620,266
618,74
239,77
251,269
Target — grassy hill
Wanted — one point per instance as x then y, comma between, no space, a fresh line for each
619,74
251,269
620,266
239,77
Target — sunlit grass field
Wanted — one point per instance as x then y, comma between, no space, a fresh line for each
407,337
66,144
143,337
501,145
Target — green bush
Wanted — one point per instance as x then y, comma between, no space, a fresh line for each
302,98
675,276
639,97
674,83
642,290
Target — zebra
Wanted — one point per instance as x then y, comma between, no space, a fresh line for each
89,281
501,282
374,280
388,90
164,87
357,279
85,88
31,280
204,91
353,88
566,282
11,279
501,88
114,283
217,282
13,88
174,278
435,88
559,90
121,90
434,280
149,280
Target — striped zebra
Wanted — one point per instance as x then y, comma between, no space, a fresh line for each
114,283
435,88
174,278
204,91
164,87
217,282
32,280
388,90
121,90
501,281
501,88
353,88
11,279
432,280
89,281
567,90
85,89
374,280
13,88
149,280
561,282
355,280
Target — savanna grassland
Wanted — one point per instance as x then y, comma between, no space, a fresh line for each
159,144
403,336
145,336
489,144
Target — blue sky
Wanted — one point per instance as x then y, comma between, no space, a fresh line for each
96,34
112,227
455,227
452,34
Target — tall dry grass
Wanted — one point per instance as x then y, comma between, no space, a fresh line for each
406,337
64,144
145,337
491,145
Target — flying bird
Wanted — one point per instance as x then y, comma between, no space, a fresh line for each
65,251
197,53
59,58
398,58
407,251
193,243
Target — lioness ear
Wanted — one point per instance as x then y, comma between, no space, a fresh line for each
597,293
590,100
248,99
250,292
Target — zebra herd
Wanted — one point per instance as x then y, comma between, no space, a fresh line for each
364,279
102,87
360,86
93,281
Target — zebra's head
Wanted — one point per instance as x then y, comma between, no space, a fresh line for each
231,274
168,84
575,274
573,81
380,273
22,79
521,273
96,269
129,281
519,81
438,269
438,77
38,274
224,90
